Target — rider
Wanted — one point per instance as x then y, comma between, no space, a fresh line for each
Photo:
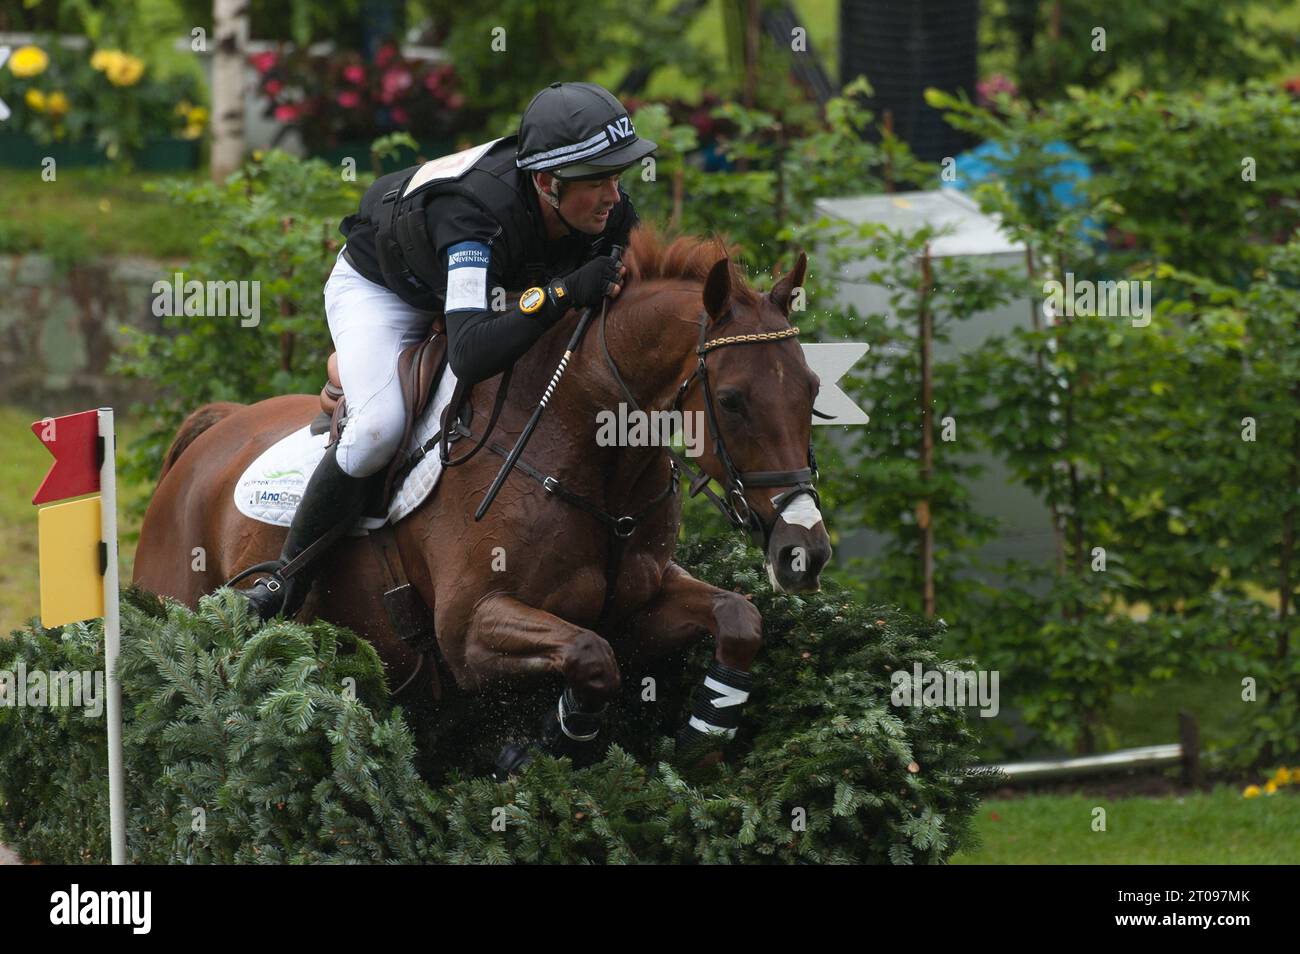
541,208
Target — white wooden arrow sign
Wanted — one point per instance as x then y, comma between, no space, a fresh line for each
830,362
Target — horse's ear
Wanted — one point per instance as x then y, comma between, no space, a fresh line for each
783,290
717,289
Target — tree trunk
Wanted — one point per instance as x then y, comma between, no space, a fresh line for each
1284,612
230,29
1035,320
751,53
923,516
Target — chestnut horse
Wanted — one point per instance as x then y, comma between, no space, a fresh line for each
522,594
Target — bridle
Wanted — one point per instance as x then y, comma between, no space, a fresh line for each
732,504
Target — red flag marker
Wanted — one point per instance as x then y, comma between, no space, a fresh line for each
74,441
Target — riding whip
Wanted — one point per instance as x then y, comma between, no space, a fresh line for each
617,253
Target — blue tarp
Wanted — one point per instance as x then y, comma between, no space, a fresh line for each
1067,192
976,165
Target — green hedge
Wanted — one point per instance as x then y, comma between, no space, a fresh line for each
259,728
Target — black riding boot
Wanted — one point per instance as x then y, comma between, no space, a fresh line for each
332,500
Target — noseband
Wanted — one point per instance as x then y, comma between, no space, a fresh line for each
732,504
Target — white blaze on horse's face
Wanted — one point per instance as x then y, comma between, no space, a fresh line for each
802,512
798,546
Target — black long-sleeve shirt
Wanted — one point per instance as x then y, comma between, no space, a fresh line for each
480,281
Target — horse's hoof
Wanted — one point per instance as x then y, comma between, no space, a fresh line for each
514,758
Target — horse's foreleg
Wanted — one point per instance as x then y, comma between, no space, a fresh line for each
684,610
508,641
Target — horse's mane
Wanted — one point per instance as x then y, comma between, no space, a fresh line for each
684,257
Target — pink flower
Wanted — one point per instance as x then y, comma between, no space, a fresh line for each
287,112
263,61
272,87
349,99
432,81
395,82
455,101
399,116
987,90
354,74
385,55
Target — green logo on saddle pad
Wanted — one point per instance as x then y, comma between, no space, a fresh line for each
277,474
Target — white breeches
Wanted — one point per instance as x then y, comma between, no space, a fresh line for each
370,325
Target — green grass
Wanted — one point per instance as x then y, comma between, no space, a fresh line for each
23,465
1219,827
88,212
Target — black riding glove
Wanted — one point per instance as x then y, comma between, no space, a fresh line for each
586,286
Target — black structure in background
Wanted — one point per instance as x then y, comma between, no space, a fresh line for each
903,48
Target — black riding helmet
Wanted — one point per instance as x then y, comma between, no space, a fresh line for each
578,131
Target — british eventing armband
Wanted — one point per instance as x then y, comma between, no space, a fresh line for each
467,277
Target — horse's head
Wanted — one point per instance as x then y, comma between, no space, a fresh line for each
755,392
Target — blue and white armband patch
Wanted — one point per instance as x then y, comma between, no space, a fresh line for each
467,271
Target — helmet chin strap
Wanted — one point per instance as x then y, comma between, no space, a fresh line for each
553,200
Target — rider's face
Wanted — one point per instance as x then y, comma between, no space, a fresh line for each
587,204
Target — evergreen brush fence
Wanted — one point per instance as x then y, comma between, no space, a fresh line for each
279,744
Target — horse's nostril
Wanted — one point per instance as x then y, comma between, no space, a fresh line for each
797,559
801,559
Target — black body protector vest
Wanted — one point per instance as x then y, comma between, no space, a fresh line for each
487,176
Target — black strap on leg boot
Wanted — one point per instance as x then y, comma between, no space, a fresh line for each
569,731
715,711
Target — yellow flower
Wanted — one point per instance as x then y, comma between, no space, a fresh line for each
1283,776
57,104
183,107
1252,791
1271,787
36,100
198,116
191,132
126,71
28,61
103,59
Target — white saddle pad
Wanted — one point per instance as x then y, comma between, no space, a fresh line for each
272,485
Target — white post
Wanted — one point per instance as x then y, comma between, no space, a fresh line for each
108,533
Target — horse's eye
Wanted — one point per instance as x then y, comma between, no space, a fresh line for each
732,401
